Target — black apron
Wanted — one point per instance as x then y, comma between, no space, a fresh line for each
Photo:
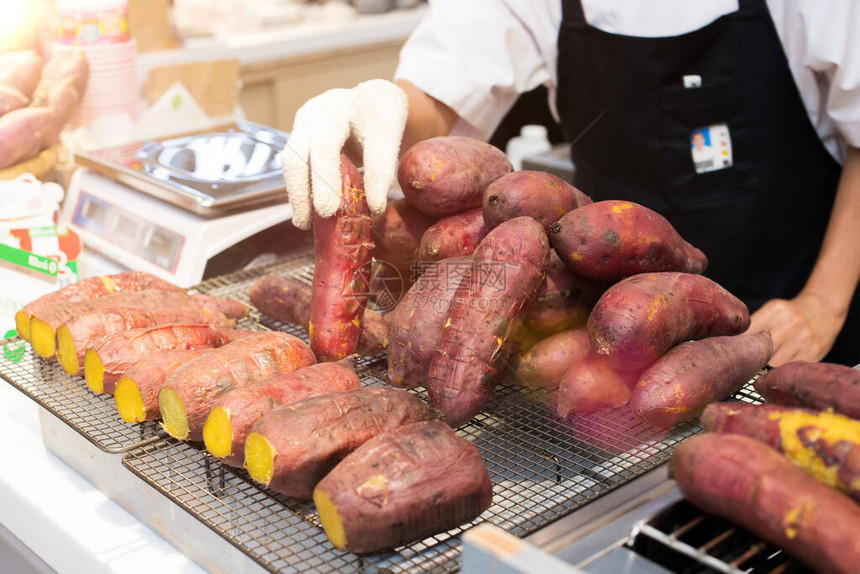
625,108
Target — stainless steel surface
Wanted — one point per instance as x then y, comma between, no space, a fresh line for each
208,174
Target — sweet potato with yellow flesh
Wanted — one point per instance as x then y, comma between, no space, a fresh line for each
343,250
136,393
397,233
693,374
290,449
753,486
564,299
448,174
453,236
89,288
123,311
22,133
641,317
107,361
490,304
191,390
538,194
288,300
592,384
234,413
825,445
610,240
402,486
543,365
415,325
818,386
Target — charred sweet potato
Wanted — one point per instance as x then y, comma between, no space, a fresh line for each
344,248
234,413
108,360
544,364
448,174
592,384
402,486
538,194
190,391
136,393
290,449
753,486
610,240
641,317
695,373
564,299
453,236
825,445
490,304
818,386
397,233
288,300
89,288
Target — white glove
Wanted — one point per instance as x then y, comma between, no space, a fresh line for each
373,115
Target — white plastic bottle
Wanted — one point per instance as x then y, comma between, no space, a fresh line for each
532,141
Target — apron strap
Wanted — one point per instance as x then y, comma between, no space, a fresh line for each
572,12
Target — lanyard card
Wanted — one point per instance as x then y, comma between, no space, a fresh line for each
711,148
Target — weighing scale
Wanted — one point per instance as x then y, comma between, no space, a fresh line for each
168,207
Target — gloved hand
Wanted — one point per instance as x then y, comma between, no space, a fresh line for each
371,115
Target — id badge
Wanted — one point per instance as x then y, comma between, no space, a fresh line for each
711,148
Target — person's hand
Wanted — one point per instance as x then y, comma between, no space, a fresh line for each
803,328
371,117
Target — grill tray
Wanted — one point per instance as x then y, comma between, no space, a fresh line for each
542,468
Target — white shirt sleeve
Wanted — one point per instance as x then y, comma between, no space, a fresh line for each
477,56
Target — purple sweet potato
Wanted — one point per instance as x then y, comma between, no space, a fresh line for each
491,302
753,486
190,391
234,413
453,236
695,373
538,194
397,233
415,325
818,386
543,365
824,444
290,449
638,319
610,240
288,300
22,132
402,486
448,174
344,249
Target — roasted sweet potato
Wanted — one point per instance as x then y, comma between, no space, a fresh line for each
62,66
22,133
564,299
11,99
63,101
292,448
89,288
544,364
397,233
235,412
108,360
415,325
538,194
695,373
191,390
448,174
402,486
288,300
818,386
641,317
21,71
344,248
610,240
753,486
592,384
122,311
136,393
453,236
825,445
490,304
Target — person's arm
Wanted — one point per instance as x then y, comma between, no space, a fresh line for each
428,117
804,328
